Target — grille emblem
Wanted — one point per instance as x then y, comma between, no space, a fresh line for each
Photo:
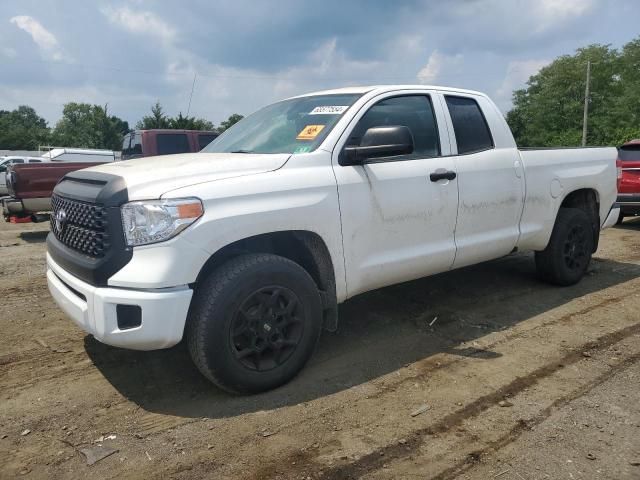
61,220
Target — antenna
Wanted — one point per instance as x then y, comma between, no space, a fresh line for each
193,85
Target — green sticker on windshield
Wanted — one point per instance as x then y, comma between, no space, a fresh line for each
302,149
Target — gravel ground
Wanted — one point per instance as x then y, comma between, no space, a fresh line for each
480,373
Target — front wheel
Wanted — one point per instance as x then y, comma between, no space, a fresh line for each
568,254
254,323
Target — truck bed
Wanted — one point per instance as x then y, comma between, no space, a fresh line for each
36,180
30,186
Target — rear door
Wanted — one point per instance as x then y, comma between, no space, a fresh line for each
397,223
490,181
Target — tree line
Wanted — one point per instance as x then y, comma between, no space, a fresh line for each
549,111
88,126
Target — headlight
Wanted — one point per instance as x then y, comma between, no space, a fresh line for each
152,221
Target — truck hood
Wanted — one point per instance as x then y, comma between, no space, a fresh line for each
151,177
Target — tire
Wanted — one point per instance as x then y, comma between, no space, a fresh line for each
568,254
254,323
620,218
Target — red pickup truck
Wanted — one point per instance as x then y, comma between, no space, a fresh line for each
629,179
30,188
147,143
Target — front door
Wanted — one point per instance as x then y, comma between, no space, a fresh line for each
398,224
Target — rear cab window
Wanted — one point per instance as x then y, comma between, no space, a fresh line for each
171,143
629,153
469,125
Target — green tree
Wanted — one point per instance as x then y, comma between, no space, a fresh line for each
229,122
549,111
88,126
190,123
22,129
157,119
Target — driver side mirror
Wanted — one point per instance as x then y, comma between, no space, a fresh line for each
379,142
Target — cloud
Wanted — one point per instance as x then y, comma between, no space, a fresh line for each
437,65
247,54
518,72
140,23
43,38
9,52
554,13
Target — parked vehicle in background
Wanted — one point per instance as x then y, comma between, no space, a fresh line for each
247,247
629,179
78,155
30,187
14,160
146,143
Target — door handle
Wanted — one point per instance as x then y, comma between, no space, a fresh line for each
442,175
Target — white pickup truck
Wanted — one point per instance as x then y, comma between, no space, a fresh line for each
246,248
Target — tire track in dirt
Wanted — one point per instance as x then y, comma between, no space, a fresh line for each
521,427
508,337
376,459
304,461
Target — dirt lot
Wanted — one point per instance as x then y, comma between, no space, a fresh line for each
520,380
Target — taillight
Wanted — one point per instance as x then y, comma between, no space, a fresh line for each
619,171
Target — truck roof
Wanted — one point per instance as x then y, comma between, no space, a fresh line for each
387,88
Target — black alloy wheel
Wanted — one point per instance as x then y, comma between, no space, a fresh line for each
575,248
267,328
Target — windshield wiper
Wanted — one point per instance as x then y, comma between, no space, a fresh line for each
242,151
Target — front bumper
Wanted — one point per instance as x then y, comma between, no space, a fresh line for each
95,310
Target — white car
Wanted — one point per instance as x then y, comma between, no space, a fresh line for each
246,248
12,160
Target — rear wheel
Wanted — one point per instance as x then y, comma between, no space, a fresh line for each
568,254
255,322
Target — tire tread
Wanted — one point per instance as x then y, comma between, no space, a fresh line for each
207,295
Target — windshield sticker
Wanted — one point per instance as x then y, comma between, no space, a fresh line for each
302,149
329,110
309,132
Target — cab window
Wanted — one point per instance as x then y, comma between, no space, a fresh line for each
469,125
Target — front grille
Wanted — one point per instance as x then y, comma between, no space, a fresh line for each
79,225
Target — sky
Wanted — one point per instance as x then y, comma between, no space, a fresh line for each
244,54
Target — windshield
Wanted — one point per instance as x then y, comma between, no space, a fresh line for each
298,125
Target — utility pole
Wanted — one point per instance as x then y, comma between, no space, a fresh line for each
585,117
